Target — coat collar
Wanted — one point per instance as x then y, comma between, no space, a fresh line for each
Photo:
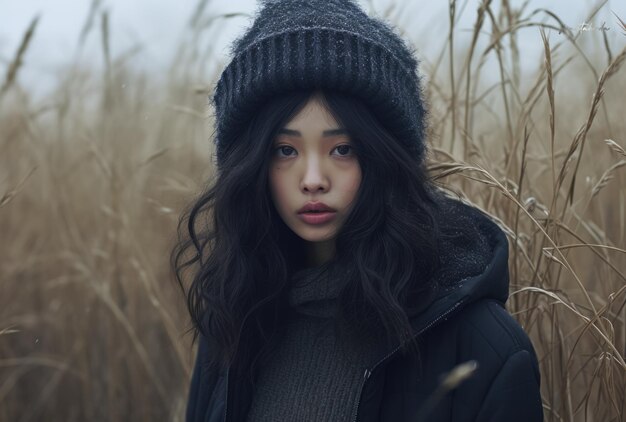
473,267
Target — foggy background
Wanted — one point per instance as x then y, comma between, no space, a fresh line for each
157,27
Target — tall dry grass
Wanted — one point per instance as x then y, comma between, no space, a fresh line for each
93,177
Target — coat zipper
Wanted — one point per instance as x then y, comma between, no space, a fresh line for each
368,372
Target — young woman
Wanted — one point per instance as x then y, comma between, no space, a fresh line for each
331,279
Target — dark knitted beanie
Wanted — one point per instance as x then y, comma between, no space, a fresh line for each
326,44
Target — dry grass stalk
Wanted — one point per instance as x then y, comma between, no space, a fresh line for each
550,91
451,16
88,25
449,382
621,22
16,63
615,147
8,330
8,196
606,177
581,136
480,20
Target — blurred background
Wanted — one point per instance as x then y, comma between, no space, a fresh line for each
105,137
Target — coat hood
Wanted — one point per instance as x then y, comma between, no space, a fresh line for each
474,262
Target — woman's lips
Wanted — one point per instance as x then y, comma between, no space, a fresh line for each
317,217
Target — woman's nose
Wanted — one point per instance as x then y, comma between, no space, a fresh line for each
314,177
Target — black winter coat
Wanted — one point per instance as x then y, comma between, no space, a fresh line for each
466,322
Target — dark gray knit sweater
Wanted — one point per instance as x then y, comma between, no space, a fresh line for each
314,374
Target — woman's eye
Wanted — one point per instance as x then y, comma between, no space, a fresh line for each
282,148
344,150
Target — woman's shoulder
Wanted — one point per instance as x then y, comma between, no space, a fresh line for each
486,332
506,371
487,324
504,380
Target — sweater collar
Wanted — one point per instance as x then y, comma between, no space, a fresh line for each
314,290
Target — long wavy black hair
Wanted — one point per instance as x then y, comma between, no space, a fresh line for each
240,255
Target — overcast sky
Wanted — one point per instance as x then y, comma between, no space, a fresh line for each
159,26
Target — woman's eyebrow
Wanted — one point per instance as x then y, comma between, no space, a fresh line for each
326,133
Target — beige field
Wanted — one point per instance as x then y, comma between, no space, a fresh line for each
94,176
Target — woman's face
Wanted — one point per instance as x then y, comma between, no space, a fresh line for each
313,162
